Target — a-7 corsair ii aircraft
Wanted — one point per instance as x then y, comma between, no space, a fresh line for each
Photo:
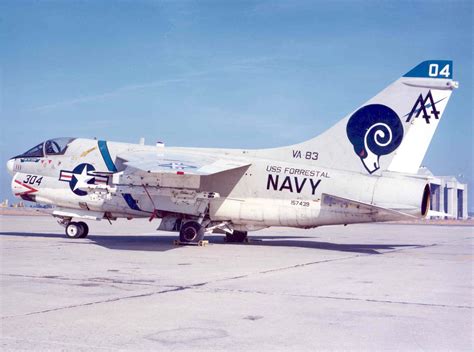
363,169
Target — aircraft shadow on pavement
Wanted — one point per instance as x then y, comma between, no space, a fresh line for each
161,243
365,248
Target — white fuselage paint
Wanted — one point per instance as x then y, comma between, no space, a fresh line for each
266,193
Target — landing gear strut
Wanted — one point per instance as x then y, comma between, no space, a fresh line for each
236,237
77,229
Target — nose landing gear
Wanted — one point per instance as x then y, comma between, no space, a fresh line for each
77,229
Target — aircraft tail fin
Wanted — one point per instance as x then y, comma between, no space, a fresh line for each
391,131
432,82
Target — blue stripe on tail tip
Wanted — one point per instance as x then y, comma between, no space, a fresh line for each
432,69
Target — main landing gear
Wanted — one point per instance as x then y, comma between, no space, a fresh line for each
77,229
191,232
236,237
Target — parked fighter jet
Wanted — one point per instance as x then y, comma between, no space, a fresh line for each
363,169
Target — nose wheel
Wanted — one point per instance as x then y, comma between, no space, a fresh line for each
77,230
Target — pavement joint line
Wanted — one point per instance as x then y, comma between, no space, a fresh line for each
177,288
324,261
371,300
94,280
65,344
311,263
342,258
4,247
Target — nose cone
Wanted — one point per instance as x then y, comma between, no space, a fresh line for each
10,164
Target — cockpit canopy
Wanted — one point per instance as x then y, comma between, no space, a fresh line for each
56,146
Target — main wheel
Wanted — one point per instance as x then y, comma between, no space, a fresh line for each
236,237
85,229
240,236
74,230
191,231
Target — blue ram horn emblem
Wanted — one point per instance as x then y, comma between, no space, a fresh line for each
374,130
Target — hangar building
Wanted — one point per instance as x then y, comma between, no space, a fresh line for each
448,195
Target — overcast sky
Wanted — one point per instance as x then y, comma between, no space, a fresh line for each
245,74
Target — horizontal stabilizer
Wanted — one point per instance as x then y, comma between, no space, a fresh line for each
361,210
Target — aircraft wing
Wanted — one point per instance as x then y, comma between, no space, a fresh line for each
180,163
173,169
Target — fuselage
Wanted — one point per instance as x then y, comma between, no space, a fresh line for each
268,192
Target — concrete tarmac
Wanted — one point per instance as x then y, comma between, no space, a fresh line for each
127,287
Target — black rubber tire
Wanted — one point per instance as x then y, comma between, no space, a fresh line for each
73,230
240,236
85,229
191,231
236,237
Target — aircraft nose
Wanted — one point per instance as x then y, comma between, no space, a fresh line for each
10,164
